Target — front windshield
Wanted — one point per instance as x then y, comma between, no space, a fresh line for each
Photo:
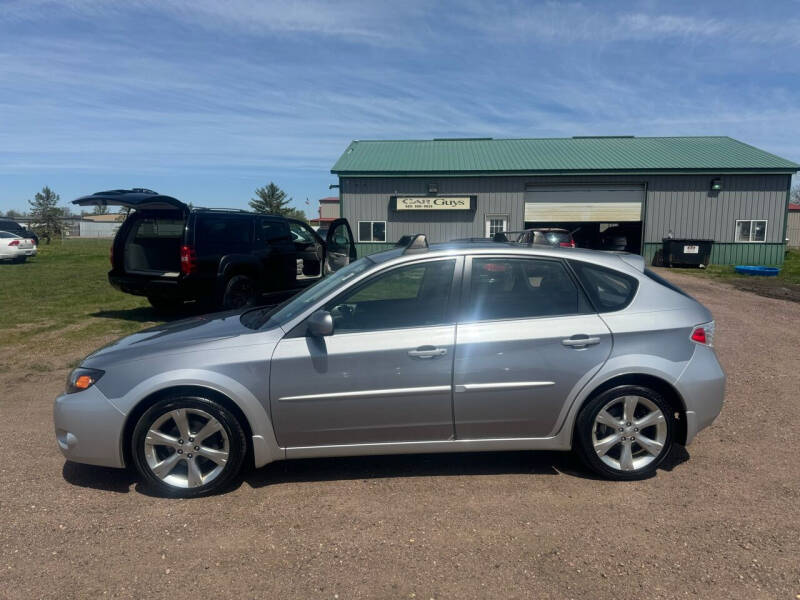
283,313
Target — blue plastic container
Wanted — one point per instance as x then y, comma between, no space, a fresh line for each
753,270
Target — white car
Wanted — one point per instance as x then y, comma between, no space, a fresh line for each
15,248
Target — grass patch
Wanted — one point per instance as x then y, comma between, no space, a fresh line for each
785,286
65,287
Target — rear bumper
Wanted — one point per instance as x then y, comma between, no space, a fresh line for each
88,428
702,386
178,288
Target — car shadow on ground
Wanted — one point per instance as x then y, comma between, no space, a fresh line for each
433,465
372,467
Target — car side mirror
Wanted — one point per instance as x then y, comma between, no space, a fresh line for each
320,323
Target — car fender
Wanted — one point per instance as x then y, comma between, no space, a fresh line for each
265,445
231,263
615,366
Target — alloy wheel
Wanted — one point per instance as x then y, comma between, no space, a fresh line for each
629,433
186,448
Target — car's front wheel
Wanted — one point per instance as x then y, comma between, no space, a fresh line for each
625,433
188,446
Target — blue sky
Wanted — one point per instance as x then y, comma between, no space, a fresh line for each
209,99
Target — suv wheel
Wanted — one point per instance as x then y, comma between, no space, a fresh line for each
188,446
240,291
625,433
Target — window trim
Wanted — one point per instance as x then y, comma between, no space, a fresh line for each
487,222
751,221
371,231
466,282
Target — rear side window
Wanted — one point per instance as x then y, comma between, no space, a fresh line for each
223,233
513,288
273,230
557,237
608,289
4,235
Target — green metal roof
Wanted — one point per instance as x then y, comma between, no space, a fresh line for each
556,155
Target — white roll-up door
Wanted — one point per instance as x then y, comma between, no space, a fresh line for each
605,204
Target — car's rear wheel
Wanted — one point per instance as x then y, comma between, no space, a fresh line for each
625,433
240,291
188,446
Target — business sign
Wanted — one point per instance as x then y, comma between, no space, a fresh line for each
433,203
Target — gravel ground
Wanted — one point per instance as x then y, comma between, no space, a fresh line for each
722,521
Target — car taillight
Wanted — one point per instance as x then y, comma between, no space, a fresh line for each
14,243
703,334
188,260
567,244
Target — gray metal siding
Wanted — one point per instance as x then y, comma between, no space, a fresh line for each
793,230
683,204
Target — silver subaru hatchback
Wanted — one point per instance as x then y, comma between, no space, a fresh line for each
447,348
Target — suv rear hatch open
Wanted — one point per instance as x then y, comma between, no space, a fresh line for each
150,240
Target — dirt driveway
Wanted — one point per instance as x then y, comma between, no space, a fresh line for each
722,522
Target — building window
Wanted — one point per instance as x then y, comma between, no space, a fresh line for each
751,231
496,224
372,231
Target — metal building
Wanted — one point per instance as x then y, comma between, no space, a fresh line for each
686,187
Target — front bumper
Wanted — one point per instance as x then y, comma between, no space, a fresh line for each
89,429
702,386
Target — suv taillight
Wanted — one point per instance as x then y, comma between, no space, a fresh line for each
703,334
188,260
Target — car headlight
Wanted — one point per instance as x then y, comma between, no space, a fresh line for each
82,379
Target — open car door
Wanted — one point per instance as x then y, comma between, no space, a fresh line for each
340,249
137,199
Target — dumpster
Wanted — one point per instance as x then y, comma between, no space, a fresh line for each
686,252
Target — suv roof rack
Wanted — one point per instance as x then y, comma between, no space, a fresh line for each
414,243
234,210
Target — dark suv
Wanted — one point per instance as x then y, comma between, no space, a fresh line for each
12,226
172,253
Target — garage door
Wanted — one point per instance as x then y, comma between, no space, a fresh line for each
581,204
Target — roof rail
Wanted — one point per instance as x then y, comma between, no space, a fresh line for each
232,210
417,243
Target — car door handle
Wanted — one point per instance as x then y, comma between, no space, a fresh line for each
580,341
427,352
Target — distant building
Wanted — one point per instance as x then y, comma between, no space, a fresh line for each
328,211
646,189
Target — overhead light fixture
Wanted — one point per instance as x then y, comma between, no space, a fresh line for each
433,188
716,185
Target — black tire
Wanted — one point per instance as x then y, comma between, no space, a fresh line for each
240,291
165,305
585,423
231,427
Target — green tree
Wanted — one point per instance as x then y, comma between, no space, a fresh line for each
46,214
272,199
